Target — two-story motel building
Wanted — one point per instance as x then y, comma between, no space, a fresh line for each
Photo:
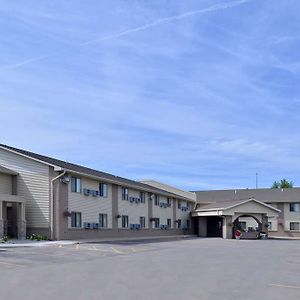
61,200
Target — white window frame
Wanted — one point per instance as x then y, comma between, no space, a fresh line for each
103,189
293,225
156,200
102,220
295,207
143,197
76,219
75,184
143,221
125,193
125,221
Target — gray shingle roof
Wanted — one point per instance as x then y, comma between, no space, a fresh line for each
88,171
266,195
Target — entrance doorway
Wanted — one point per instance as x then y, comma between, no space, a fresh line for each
214,227
11,220
249,226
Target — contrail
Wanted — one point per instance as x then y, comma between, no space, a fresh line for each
216,7
164,20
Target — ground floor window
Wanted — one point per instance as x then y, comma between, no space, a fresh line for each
156,222
187,224
76,219
143,222
294,226
179,223
103,220
125,221
270,225
169,223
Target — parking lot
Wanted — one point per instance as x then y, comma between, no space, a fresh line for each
171,269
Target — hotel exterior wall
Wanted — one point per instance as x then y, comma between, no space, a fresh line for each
33,186
163,213
5,184
131,209
89,206
183,215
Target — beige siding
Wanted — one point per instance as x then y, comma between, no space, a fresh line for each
290,216
89,206
163,213
133,210
33,186
5,184
183,215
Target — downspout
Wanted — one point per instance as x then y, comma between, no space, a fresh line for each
52,203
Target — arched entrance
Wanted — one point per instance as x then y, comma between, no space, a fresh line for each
249,226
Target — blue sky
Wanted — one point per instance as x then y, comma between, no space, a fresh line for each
198,94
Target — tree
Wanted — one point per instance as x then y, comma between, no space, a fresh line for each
283,184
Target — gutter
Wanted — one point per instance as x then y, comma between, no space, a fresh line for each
52,203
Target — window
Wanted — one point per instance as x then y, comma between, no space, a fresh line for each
178,223
270,225
143,222
76,219
168,201
187,224
103,220
156,200
76,185
188,206
142,197
125,194
295,207
125,221
169,223
103,190
294,226
156,222
179,204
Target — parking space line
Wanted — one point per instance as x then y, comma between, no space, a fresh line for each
116,250
11,264
284,286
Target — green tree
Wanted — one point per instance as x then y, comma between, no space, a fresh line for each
282,184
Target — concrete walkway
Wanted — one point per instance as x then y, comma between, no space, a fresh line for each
30,243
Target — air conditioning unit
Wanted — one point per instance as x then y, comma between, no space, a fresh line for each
87,225
96,225
95,193
86,192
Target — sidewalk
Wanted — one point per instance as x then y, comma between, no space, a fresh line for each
30,243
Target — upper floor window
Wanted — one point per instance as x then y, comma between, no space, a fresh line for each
179,204
156,200
103,189
168,201
295,207
76,219
270,225
156,222
142,197
125,193
294,226
76,185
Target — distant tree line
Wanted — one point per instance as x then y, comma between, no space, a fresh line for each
282,184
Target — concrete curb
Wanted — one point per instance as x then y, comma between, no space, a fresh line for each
23,244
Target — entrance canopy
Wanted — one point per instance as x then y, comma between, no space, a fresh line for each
228,212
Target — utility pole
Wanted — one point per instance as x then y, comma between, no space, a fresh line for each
256,180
